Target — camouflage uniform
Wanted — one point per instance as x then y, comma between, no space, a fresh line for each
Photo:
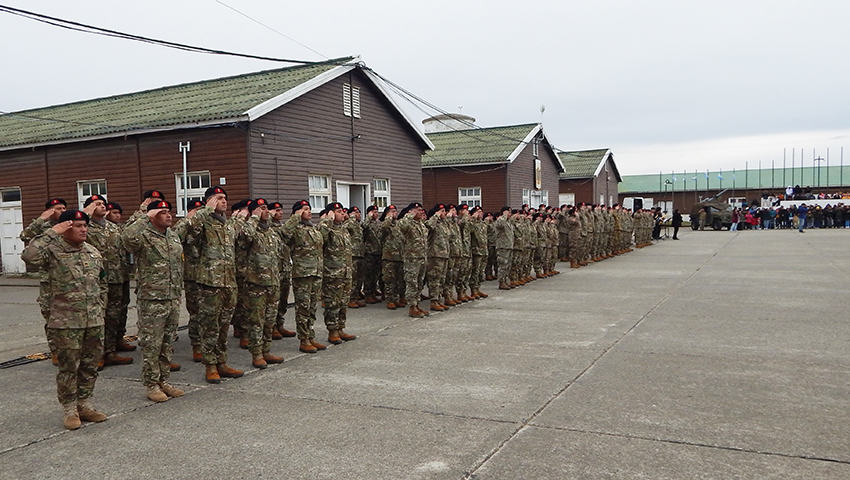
285,277
464,268
305,247
478,248
337,272
541,251
242,310
438,255
34,229
191,265
518,249
504,243
159,286
415,235
372,256
392,260
453,265
358,277
215,239
106,237
492,258
261,245
75,284
563,235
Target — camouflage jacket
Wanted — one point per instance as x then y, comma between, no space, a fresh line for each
454,237
123,258
338,261
191,253
519,234
529,233
35,228
371,237
415,235
105,236
573,226
260,244
215,239
542,232
355,233
392,240
438,237
305,247
75,282
478,237
285,256
465,236
159,259
504,233
491,233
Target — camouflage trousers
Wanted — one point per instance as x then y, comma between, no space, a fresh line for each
492,262
79,351
574,238
358,278
528,260
435,275
193,297
479,262
215,310
563,245
157,328
283,300
540,254
44,306
451,276
115,322
307,291
505,256
516,264
393,273
464,269
336,301
240,313
261,302
372,268
414,279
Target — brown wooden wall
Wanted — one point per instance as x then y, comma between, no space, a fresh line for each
440,185
311,136
521,175
26,169
581,187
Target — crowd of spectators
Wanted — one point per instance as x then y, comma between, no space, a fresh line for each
778,217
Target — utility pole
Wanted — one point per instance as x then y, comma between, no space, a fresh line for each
185,149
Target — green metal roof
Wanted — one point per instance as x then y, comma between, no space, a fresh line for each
581,164
202,102
479,146
771,178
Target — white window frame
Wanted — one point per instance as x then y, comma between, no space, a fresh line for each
536,197
350,100
320,191
470,196
85,190
194,192
381,196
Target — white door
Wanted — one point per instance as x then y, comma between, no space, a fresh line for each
566,199
352,195
342,193
11,225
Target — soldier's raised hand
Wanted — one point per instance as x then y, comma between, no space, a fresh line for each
63,227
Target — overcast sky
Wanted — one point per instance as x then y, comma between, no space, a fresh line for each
666,85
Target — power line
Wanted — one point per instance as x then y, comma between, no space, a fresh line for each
270,28
81,27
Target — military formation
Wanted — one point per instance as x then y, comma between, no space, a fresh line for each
238,271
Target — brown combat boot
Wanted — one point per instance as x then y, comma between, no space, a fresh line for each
371,299
391,305
71,416
333,337
123,346
174,367
212,374
345,336
55,359
243,342
318,345
413,312
114,359
88,413
480,293
573,264
423,312
228,372
435,306
306,346
156,395
286,333
170,390
504,286
258,361
361,302
196,353
401,303
276,335
353,304
269,358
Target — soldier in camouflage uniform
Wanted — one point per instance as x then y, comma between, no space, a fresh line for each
492,259
479,249
215,239
261,244
438,255
279,331
338,268
540,252
517,257
75,293
372,254
415,234
392,261
191,264
159,258
464,268
238,214
504,247
454,257
118,299
305,246
106,237
358,277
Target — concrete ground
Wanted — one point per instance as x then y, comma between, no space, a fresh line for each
722,355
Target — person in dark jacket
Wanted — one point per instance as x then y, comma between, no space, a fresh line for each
677,222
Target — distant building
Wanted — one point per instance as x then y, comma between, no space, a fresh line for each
490,167
589,176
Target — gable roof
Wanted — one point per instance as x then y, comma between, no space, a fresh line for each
210,102
586,163
480,146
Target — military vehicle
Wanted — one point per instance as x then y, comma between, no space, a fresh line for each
718,213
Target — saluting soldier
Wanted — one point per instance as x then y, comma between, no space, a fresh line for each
118,299
464,267
504,247
492,267
392,261
452,272
372,254
438,255
191,265
279,331
337,273
75,296
358,277
478,248
415,234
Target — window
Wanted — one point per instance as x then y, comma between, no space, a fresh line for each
11,195
320,191
87,188
350,100
470,196
533,198
199,182
381,195
535,148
